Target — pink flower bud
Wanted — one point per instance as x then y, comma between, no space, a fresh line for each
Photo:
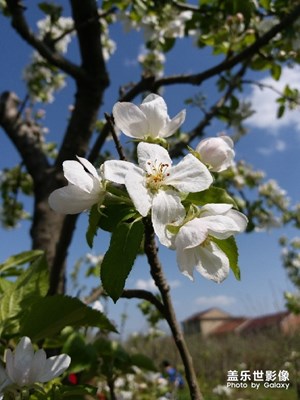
216,152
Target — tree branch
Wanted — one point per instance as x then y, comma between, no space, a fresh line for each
160,281
144,295
19,23
89,94
152,84
25,135
110,122
198,130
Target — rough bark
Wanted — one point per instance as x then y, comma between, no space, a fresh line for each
50,231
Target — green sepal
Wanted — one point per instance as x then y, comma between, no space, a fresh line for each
119,259
229,247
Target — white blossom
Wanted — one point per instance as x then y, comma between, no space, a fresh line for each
156,185
85,188
222,390
25,367
195,246
216,152
61,29
149,120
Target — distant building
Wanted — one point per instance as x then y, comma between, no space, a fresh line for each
205,322
215,322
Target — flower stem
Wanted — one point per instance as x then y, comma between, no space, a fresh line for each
160,280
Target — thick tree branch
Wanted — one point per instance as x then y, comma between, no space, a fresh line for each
81,125
89,94
160,281
25,135
19,23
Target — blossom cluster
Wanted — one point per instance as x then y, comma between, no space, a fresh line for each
160,190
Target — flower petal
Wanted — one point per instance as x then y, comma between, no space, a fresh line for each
166,209
189,175
4,379
88,166
213,264
139,194
76,175
192,234
186,260
116,170
37,366
240,219
215,209
152,153
226,209
130,120
220,226
54,366
155,110
18,363
172,125
10,364
72,200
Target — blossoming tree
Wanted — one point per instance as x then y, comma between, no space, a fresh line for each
165,186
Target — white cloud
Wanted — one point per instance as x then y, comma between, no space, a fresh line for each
277,146
215,301
265,106
144,284
149,284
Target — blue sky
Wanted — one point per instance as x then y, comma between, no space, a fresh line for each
271,146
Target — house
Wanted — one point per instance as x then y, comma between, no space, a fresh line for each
205,322
229,327
284,322
215,322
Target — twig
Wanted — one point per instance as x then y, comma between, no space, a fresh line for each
128,294
198,130
110,121
144,295
271,87
160,281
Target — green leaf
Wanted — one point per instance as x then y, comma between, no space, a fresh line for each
280,111
266,4
94,219
113,214
211,195
60,311
229,247
276,71
118,260
29,286
83,356
20,259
